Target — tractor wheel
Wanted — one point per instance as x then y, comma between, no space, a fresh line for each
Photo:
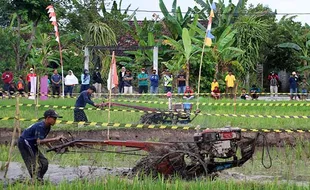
152,118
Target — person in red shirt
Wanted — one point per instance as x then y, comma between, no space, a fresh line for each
7,78
31,74
188,94
216,94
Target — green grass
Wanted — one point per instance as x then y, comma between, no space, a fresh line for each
149,184
289,163
204,121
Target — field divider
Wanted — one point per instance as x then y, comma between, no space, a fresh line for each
220,104
171,112
159,126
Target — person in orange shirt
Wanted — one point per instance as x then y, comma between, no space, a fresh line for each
230,84
31,74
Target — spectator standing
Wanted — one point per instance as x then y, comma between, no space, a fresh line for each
181,78
298,80
121,80
127,82
154,78
293,86
97,81
188,93
230,84
143,81
216,94
7,78
56,80
304,88
85,78
168,81
70,81
29,75
254,92
274,83
20,85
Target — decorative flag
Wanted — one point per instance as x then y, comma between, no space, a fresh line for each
209,36
52,16
113,78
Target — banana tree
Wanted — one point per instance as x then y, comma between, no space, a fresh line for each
183,51
42,54
175,21
300,42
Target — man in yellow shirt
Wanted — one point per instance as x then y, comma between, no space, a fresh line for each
214,84
230,84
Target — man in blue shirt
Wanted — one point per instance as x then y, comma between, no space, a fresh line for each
293,85
82,100
56,80
28,143
154,78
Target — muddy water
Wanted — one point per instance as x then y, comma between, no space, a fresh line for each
57,174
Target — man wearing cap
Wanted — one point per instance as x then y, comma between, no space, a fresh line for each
82,100
29,75
33,136
274,83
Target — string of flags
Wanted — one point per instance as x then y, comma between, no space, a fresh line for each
209,36
52,16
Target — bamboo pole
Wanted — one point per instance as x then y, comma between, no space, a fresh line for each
199,77
110,94
16,126
37,94
62,70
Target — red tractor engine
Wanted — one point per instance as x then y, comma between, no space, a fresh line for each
218,143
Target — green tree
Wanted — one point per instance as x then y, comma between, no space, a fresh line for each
300,42
251,36
175,22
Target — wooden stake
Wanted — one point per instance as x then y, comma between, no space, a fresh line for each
16,126
199,77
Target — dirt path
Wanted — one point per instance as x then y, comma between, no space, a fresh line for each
162,135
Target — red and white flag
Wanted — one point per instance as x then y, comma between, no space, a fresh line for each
112,81
52,16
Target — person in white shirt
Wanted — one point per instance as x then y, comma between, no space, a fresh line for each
70,81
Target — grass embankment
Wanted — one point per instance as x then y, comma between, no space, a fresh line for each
149,184
204,121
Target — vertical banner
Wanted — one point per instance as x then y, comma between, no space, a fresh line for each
33,88
43,88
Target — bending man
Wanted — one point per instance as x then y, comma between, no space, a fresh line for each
28,142
83,99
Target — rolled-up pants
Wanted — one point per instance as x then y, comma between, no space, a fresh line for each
35,161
